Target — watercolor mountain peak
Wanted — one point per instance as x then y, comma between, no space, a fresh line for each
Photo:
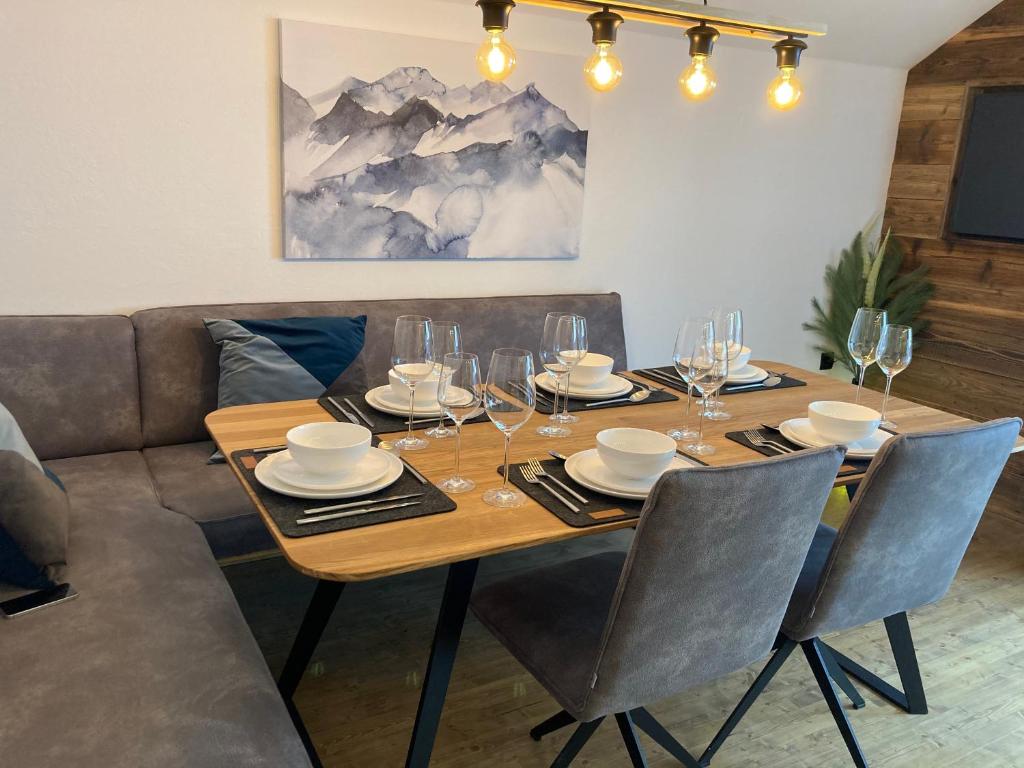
407,167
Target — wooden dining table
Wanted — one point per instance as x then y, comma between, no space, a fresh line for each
458,539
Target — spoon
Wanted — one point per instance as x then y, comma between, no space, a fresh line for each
771,381
637,397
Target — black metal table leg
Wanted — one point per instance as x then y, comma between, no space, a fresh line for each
442,657
318,613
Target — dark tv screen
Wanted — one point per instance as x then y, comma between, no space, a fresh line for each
989,195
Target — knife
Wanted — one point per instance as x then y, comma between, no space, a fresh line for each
360,503
354,512
653,374
414,473
355,408
351,417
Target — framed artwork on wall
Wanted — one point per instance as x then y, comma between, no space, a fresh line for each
393,147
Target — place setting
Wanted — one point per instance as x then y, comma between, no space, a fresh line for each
743,376
608,482
575,379
409,400
331,477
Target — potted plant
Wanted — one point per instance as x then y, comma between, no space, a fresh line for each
867,275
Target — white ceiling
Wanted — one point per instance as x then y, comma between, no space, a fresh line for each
893,33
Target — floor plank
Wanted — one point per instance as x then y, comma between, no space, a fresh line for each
360,694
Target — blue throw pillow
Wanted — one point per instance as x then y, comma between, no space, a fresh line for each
294,358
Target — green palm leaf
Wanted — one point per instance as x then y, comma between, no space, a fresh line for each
867,274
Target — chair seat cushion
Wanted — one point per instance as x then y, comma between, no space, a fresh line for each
552,620
810,574
211,495
153,664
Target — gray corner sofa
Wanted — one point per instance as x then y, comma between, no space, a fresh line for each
153,665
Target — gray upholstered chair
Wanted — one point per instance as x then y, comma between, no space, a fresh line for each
701,593
899,548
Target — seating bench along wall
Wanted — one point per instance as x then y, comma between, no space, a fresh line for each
154,664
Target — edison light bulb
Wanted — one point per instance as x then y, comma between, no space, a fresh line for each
495,59
604,69
698,80
785,90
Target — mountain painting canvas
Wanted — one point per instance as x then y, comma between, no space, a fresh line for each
394,148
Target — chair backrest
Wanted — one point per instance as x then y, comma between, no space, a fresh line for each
907,528
709,574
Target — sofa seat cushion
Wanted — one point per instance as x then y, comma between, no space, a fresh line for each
153,664
211,495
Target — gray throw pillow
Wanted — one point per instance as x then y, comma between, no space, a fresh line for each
33,524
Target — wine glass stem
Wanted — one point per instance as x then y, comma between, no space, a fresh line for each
412,409
565,407
558,389
458,446
860,380
508,442
885,400
700,421
689,398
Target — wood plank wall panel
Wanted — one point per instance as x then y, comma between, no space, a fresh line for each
971,361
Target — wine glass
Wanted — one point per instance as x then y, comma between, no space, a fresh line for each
895,348
447,339
693,330
412,360
728,328
573,337
557,370
709,368
509,398
863,340
460,394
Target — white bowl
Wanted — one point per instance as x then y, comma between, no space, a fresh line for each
741,360
843,422
328,448
635,453
426,389
592,369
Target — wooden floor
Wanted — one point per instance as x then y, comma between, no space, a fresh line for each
360,694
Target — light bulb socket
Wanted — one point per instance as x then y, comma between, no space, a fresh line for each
495,13
605,25
787,52
702,39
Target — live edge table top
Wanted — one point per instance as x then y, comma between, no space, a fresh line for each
476,529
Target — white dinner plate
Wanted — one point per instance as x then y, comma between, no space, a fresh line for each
372,467
748,374
614,386
384,400
268,478
802,433
587,469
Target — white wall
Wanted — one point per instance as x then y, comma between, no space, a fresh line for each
139,167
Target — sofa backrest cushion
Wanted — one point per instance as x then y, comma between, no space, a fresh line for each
178,360
71,382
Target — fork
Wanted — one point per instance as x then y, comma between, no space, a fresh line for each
531,478
537,469
756,438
